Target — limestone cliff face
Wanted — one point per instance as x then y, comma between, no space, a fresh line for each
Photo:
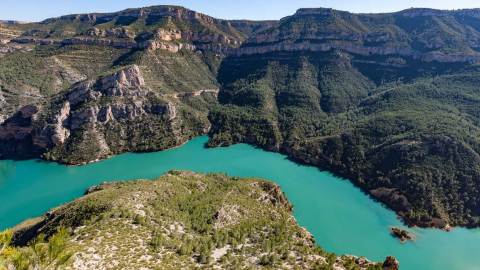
391,263
411,13
21,130
276,36
61,121
127,82
129,77
150,44
20,136
104,114
162,34
173,12
355,33
261,49
209,38
159,45
26,134
362,50
419,12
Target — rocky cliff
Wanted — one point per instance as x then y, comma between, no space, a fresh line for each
372,96
452,37
170,11
113,100
175,47
391,263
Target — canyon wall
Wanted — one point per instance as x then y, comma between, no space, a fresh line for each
25,130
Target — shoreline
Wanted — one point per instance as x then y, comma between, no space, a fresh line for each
281,150
111,156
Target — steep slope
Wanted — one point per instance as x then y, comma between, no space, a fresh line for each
97,119
186,220
424,30
411,142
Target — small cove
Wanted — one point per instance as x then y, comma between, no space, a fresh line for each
342,218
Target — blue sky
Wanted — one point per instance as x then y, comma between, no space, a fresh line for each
37,10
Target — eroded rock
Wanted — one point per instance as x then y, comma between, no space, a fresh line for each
391,263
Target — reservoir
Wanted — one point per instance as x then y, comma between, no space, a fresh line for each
341,217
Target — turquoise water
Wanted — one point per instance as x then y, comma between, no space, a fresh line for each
342,218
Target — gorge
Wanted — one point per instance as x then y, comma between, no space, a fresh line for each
389,101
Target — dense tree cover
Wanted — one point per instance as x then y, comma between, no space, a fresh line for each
444,32
183,220
416,135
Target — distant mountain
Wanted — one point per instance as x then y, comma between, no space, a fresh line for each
389,100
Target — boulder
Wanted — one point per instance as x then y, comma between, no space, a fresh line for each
391,263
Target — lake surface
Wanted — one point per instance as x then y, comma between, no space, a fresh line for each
342,218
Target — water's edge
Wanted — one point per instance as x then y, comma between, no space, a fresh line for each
342,219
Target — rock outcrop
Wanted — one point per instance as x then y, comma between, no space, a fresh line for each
82,93
169,35
104,114
391,263
274,195
129,77
22,132
361,50
276,36
126,82
390,196
18,131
